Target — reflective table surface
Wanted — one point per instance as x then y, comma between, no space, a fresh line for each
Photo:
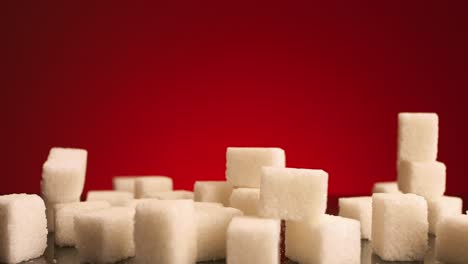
68,255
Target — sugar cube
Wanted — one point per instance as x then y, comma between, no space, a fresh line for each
440,208
385,187
243,165
62,181
418,136
452,239
246,200
105,235
135,202
358,208
115,198
293,194
126,184
152,184
212,224
23,227
330,240
253,240
50,212
165,232
75,155
212,191
64,219
170,195
206,204
399,226
426,179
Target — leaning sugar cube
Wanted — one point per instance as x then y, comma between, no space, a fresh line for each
212,224
212,191
253,240
452,239
125,184
331,240
441,208
115,198
358,208
64,219
152,184
62,181
385,187
399,226
422,178
171,195
293,194
23,227
418,136
165,232
246,200
243,165
105,235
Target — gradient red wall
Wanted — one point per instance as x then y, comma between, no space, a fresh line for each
165,88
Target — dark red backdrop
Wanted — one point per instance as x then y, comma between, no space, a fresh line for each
165,88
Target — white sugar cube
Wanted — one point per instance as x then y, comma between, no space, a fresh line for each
212,224
418,136
50,212
105,235
253,240
385,187
246,200
135,202
115,198
422,178
293,194
62,181
23,227
452,239
358,208
441,208
399,226
171,195
68,155
165,232
125,184
243,165
64,219
330,240
212,191
152,184
206,204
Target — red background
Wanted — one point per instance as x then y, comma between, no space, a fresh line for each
165,88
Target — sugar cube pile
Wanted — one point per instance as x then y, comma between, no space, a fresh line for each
262,212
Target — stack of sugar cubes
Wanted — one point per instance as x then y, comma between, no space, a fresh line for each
297,197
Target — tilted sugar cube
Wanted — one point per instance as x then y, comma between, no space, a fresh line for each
243,165
385,187
212,225
293,194
246,200
452,239
64,219
212,191
426,179
418,135
115,198
399,226
358,208
105,235
253,240
125,184
23,227
152,184
441,208
171,195
166,232
330,240
61,181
